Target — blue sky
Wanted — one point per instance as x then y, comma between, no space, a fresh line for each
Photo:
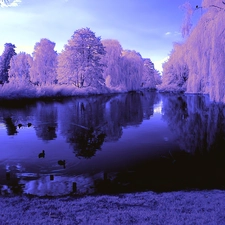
147,26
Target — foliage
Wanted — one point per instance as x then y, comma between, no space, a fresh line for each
157,76
112,60
132,69
19,72
149,74
8,53
43,69
79,62
86,63
125,69
197,66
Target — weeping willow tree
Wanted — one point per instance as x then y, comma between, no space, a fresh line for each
197,65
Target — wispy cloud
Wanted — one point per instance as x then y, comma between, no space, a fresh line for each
9,3
169,33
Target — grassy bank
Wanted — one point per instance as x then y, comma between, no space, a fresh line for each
195,207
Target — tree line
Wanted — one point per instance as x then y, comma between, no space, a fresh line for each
85,61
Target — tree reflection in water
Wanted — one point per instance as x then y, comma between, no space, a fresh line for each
87,142
198,124
46,121
89,122
10,126
86,123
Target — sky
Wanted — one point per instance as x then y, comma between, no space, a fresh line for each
149,27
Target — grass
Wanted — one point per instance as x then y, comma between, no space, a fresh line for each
193,207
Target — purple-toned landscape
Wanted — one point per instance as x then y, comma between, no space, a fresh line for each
112,112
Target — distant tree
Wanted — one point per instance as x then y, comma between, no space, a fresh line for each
19,72
148,77
112,60
158,78
176,70
43,69
8,53
79,63
132,69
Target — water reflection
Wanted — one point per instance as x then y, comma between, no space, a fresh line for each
127,142
46,121
10,126
198,124
83,123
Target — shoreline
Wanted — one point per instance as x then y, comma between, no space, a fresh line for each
48,93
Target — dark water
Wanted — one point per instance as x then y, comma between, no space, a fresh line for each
110,144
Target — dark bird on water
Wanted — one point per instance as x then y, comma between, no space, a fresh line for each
42,154
62,163
29,124
20,125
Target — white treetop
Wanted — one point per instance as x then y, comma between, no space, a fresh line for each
79,62
132,69
112,59
6,56
19,72
43,70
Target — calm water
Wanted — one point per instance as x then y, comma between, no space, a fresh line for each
121,143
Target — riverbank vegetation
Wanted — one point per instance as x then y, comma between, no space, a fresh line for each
197,65
86,65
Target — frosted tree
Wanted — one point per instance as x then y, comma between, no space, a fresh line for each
175,70
148,77
6,56
80,61
112,60
157,76
43,69
189,11
132,70
217,4
19,73
200,59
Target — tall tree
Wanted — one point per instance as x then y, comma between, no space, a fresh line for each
43,69
132,69
148,77
79,63
112,60
8,53
19,72
158,78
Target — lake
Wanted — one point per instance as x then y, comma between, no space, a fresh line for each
112,144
